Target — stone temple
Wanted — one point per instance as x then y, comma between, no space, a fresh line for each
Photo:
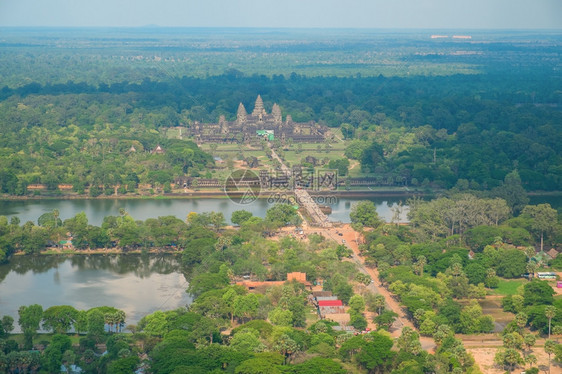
251,127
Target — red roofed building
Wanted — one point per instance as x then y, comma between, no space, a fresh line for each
322,303
326,307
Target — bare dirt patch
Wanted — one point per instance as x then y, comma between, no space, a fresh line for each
484,357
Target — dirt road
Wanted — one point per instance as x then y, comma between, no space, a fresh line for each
352,239
483,347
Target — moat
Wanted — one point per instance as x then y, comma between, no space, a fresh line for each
136,284
142,209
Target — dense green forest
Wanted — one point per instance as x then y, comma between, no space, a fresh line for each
415,127
479,118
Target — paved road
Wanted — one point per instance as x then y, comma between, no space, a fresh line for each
303,197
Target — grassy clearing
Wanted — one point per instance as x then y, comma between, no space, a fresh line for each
292,156
356,172
221,147
174,133
508,287
295,158
221,174
311,318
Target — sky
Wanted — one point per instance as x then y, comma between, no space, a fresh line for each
396,14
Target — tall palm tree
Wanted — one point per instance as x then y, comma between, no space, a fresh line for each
549,348
532,267
119,319
422,261
550,313
108,319
56,215
379,303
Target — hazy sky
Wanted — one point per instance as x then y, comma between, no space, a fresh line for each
452,14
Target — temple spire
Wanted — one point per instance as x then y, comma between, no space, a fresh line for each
258,108
241,114
276,112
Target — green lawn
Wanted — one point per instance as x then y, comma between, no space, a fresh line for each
173,133
311,317
295,158
228,147
508,287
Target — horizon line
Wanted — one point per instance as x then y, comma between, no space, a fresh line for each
277,28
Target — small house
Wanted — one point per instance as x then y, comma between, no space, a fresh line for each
330,307
158,150
542,257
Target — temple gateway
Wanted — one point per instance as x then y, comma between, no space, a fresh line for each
250,128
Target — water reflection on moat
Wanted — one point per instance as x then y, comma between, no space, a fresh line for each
142,209
137,284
